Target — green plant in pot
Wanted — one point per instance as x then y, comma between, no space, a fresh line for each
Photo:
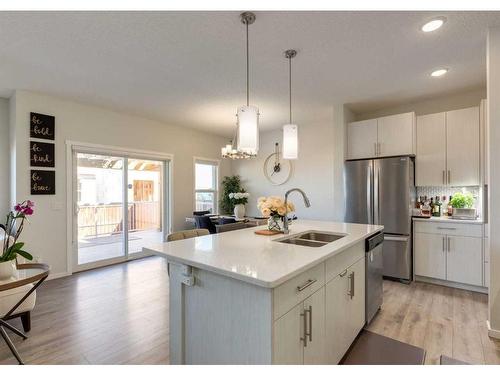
462,200
230,184
11,248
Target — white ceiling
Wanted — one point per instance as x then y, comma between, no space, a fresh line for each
188,68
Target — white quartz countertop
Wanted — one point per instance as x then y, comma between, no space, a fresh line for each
445,219
261,260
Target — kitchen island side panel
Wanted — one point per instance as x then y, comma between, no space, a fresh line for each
225,321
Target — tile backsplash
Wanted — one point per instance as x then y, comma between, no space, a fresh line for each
433,191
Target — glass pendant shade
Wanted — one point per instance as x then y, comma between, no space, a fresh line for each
248,130
290,141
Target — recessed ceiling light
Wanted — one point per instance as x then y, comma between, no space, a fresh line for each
434,24
439,72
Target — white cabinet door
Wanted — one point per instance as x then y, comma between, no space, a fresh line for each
356,291
288,348
314,306
337,315
396,135
462,147
361,139
430,255
465,260
431,150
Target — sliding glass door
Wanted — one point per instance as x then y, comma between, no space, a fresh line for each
119,207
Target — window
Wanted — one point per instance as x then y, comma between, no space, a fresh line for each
205,185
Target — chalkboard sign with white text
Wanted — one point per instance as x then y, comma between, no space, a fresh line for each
43,182
42,126
42,154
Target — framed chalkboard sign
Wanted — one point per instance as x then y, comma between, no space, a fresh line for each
42,126
42,154
43,182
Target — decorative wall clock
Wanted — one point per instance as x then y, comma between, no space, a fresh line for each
276,169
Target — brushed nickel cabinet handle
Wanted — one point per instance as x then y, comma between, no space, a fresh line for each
443,244
379,148
304,322
444,177
446,228
375,147
343,273
306,285
310,323
351,285
449,242
449,177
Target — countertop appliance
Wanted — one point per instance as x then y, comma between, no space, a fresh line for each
373,280
382,191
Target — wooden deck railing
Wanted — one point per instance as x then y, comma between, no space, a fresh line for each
98,220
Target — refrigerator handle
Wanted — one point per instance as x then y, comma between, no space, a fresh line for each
376,214
369,194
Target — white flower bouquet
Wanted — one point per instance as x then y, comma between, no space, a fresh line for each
274,206
239,198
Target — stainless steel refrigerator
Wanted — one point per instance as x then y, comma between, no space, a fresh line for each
382,191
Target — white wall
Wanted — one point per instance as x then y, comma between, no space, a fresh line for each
46,235
430,105
318,170
493,122
4,158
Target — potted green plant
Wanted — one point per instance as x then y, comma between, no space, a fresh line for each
11,248
462,205
230,184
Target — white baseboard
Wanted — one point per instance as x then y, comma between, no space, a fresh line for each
472,288
53,276
493,332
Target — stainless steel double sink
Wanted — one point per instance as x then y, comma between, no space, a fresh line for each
312,238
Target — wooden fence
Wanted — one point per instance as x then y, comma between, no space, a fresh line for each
100,220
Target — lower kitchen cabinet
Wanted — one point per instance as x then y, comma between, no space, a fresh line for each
345,310
449,252
463,263
430,255
288,334
300,334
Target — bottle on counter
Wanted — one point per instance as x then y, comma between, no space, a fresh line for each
450,207
437,208
431,205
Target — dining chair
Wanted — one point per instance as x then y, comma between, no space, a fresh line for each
204,222
183,234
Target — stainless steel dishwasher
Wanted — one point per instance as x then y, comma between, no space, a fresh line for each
374,275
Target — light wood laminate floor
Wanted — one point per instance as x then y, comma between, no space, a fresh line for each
439,319
119,315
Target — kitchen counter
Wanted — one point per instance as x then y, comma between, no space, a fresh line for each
261,260
445,219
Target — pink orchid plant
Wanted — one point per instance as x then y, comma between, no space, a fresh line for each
13,228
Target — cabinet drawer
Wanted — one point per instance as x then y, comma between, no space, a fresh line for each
294,291
452,229
345,259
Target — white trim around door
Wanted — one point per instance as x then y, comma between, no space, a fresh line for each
167,196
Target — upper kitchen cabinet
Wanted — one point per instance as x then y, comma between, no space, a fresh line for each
448,148
396,135
362,139
462,147
431,150
385,136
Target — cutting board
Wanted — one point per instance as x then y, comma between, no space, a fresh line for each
267,232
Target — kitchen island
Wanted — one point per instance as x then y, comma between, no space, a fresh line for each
241,298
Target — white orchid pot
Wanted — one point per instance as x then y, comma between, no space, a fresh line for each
7,270
239,211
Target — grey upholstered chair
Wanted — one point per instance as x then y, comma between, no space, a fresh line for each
183,234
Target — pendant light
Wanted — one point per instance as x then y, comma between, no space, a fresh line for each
290,130
247,129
